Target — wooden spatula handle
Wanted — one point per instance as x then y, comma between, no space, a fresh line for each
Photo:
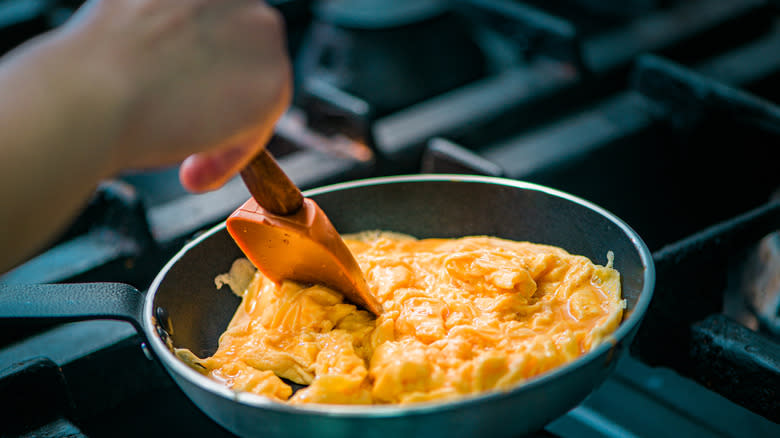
270,186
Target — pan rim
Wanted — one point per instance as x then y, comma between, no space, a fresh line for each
384,411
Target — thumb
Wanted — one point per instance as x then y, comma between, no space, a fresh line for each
210,170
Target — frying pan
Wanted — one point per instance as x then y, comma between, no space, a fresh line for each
182,306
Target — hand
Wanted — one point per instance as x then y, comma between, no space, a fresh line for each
133,84
203,79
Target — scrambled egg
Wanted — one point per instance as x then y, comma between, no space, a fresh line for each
462,316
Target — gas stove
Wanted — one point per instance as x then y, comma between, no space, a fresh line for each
664,112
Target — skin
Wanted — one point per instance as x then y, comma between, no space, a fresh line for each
133,84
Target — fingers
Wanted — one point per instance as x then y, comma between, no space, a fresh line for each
211,170
194,76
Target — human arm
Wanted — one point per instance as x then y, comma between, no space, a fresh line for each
133,84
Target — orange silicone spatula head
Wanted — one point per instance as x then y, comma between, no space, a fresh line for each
288,237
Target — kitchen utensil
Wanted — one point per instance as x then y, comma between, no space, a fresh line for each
288,237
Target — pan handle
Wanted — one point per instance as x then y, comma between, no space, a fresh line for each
72,302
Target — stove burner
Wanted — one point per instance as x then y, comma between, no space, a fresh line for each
394,63
377,14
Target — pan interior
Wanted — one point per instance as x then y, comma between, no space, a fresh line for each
196,313
188,305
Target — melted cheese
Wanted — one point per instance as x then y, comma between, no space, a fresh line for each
462,316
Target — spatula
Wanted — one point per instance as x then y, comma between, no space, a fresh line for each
288,237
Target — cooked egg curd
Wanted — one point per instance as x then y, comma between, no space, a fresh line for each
462,316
